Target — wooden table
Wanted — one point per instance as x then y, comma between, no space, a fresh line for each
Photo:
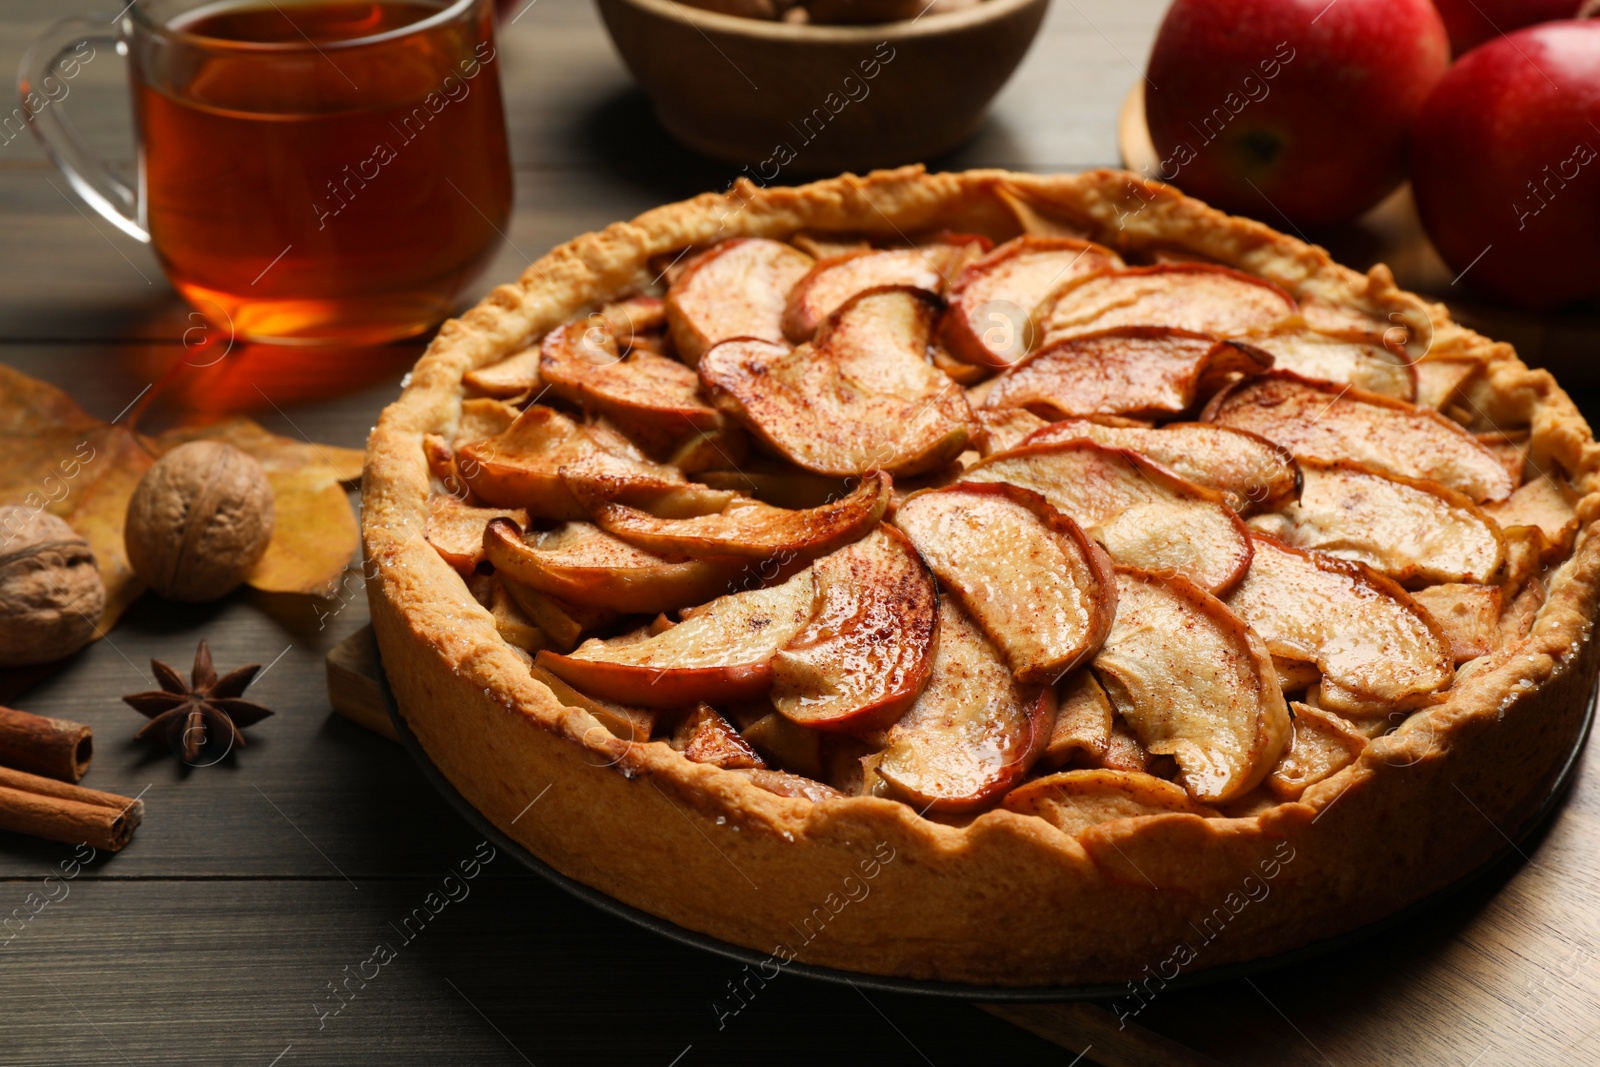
257,885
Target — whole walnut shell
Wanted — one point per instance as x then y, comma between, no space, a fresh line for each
198,521
51,596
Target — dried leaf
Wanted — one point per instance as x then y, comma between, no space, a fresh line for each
61,459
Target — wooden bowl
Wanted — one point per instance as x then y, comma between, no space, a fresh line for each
782,99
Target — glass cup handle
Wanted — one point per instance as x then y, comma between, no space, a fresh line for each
42,88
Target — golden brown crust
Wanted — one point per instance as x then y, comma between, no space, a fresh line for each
708,849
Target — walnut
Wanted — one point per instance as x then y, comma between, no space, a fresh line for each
198,521
51,596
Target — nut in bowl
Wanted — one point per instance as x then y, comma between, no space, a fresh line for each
785,99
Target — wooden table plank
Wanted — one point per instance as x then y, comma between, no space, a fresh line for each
507,972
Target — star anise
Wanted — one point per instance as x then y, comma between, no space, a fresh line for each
187,715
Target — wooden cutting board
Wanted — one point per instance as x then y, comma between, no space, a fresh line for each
1507,972
1567,344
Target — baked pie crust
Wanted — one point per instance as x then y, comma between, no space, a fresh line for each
865,883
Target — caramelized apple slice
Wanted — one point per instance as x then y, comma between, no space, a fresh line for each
1083,722
657,399
1347,360
1148,371
863,397
786,743
581,563
866,653
835,280
1409,529
1249,471
974,731
751,529
1378,649
534,463
1548,505
1073,801
516,375
1040,589
456,530
992,301
1001,431
1143,514
1468,614
630,724
1318,420
1196,296
704,736
723,653
737,289
1195,683
483,417
1323,744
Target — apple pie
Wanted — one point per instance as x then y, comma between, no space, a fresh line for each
985,577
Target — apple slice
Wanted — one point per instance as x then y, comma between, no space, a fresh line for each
563,621
1144,515
1439,381
516,375
778,482
862,397
1249,471
1001,431
1468,614
786,743
722,654
1319,420
1083,722
1073,801
630,724
534,463
513,624
704,736
635,320
1195,683
1547,504
1348,360
992,300
785,784
1379,651
749,529
866,653
1039,588
1195,296
1142,371
737,289
483,417
1409,529
584,564
657,399
975,730
1123,750
833,281
1323,744
456,530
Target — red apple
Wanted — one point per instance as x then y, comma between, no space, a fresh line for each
1291,109
1506,166
1472,22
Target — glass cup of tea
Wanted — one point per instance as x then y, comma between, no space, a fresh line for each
310,171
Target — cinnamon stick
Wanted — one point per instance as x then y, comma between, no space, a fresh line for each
59,811
37,744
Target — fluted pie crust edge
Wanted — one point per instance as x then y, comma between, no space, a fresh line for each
1006,899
